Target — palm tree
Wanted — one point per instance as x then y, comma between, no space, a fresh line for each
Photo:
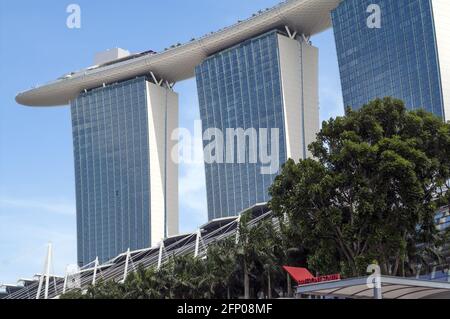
248,247
221,265
253,257
142,284
105,290
266,245
243,250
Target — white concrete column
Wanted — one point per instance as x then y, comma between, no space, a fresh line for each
162,108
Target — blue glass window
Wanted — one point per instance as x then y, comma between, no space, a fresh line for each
110,135
399,59
241,88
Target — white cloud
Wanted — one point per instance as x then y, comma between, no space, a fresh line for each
50,206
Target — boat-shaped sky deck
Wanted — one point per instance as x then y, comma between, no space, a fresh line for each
303,17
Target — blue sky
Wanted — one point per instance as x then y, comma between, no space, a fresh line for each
37,191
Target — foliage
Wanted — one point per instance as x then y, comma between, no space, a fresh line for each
371,191
369,195
219,274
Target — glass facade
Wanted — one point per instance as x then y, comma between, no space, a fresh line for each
241,88
110,134
399,59
442,218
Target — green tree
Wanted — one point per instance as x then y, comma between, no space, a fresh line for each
371,191
267,245
221,265
143,284
254,249
105,290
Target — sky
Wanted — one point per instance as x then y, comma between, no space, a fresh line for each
37,188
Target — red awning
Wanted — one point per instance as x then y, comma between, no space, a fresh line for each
298,274
303,277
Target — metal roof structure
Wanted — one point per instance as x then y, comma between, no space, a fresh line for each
197,243
391,288
117,268
302,17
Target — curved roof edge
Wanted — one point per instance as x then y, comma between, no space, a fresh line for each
307,17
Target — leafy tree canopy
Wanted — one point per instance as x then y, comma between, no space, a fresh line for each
371,192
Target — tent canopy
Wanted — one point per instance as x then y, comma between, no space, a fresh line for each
391,288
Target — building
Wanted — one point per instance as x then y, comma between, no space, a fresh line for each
442,218
266,82
126,185
260,73
397,48
124,107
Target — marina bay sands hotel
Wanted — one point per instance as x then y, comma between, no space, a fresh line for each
259,73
